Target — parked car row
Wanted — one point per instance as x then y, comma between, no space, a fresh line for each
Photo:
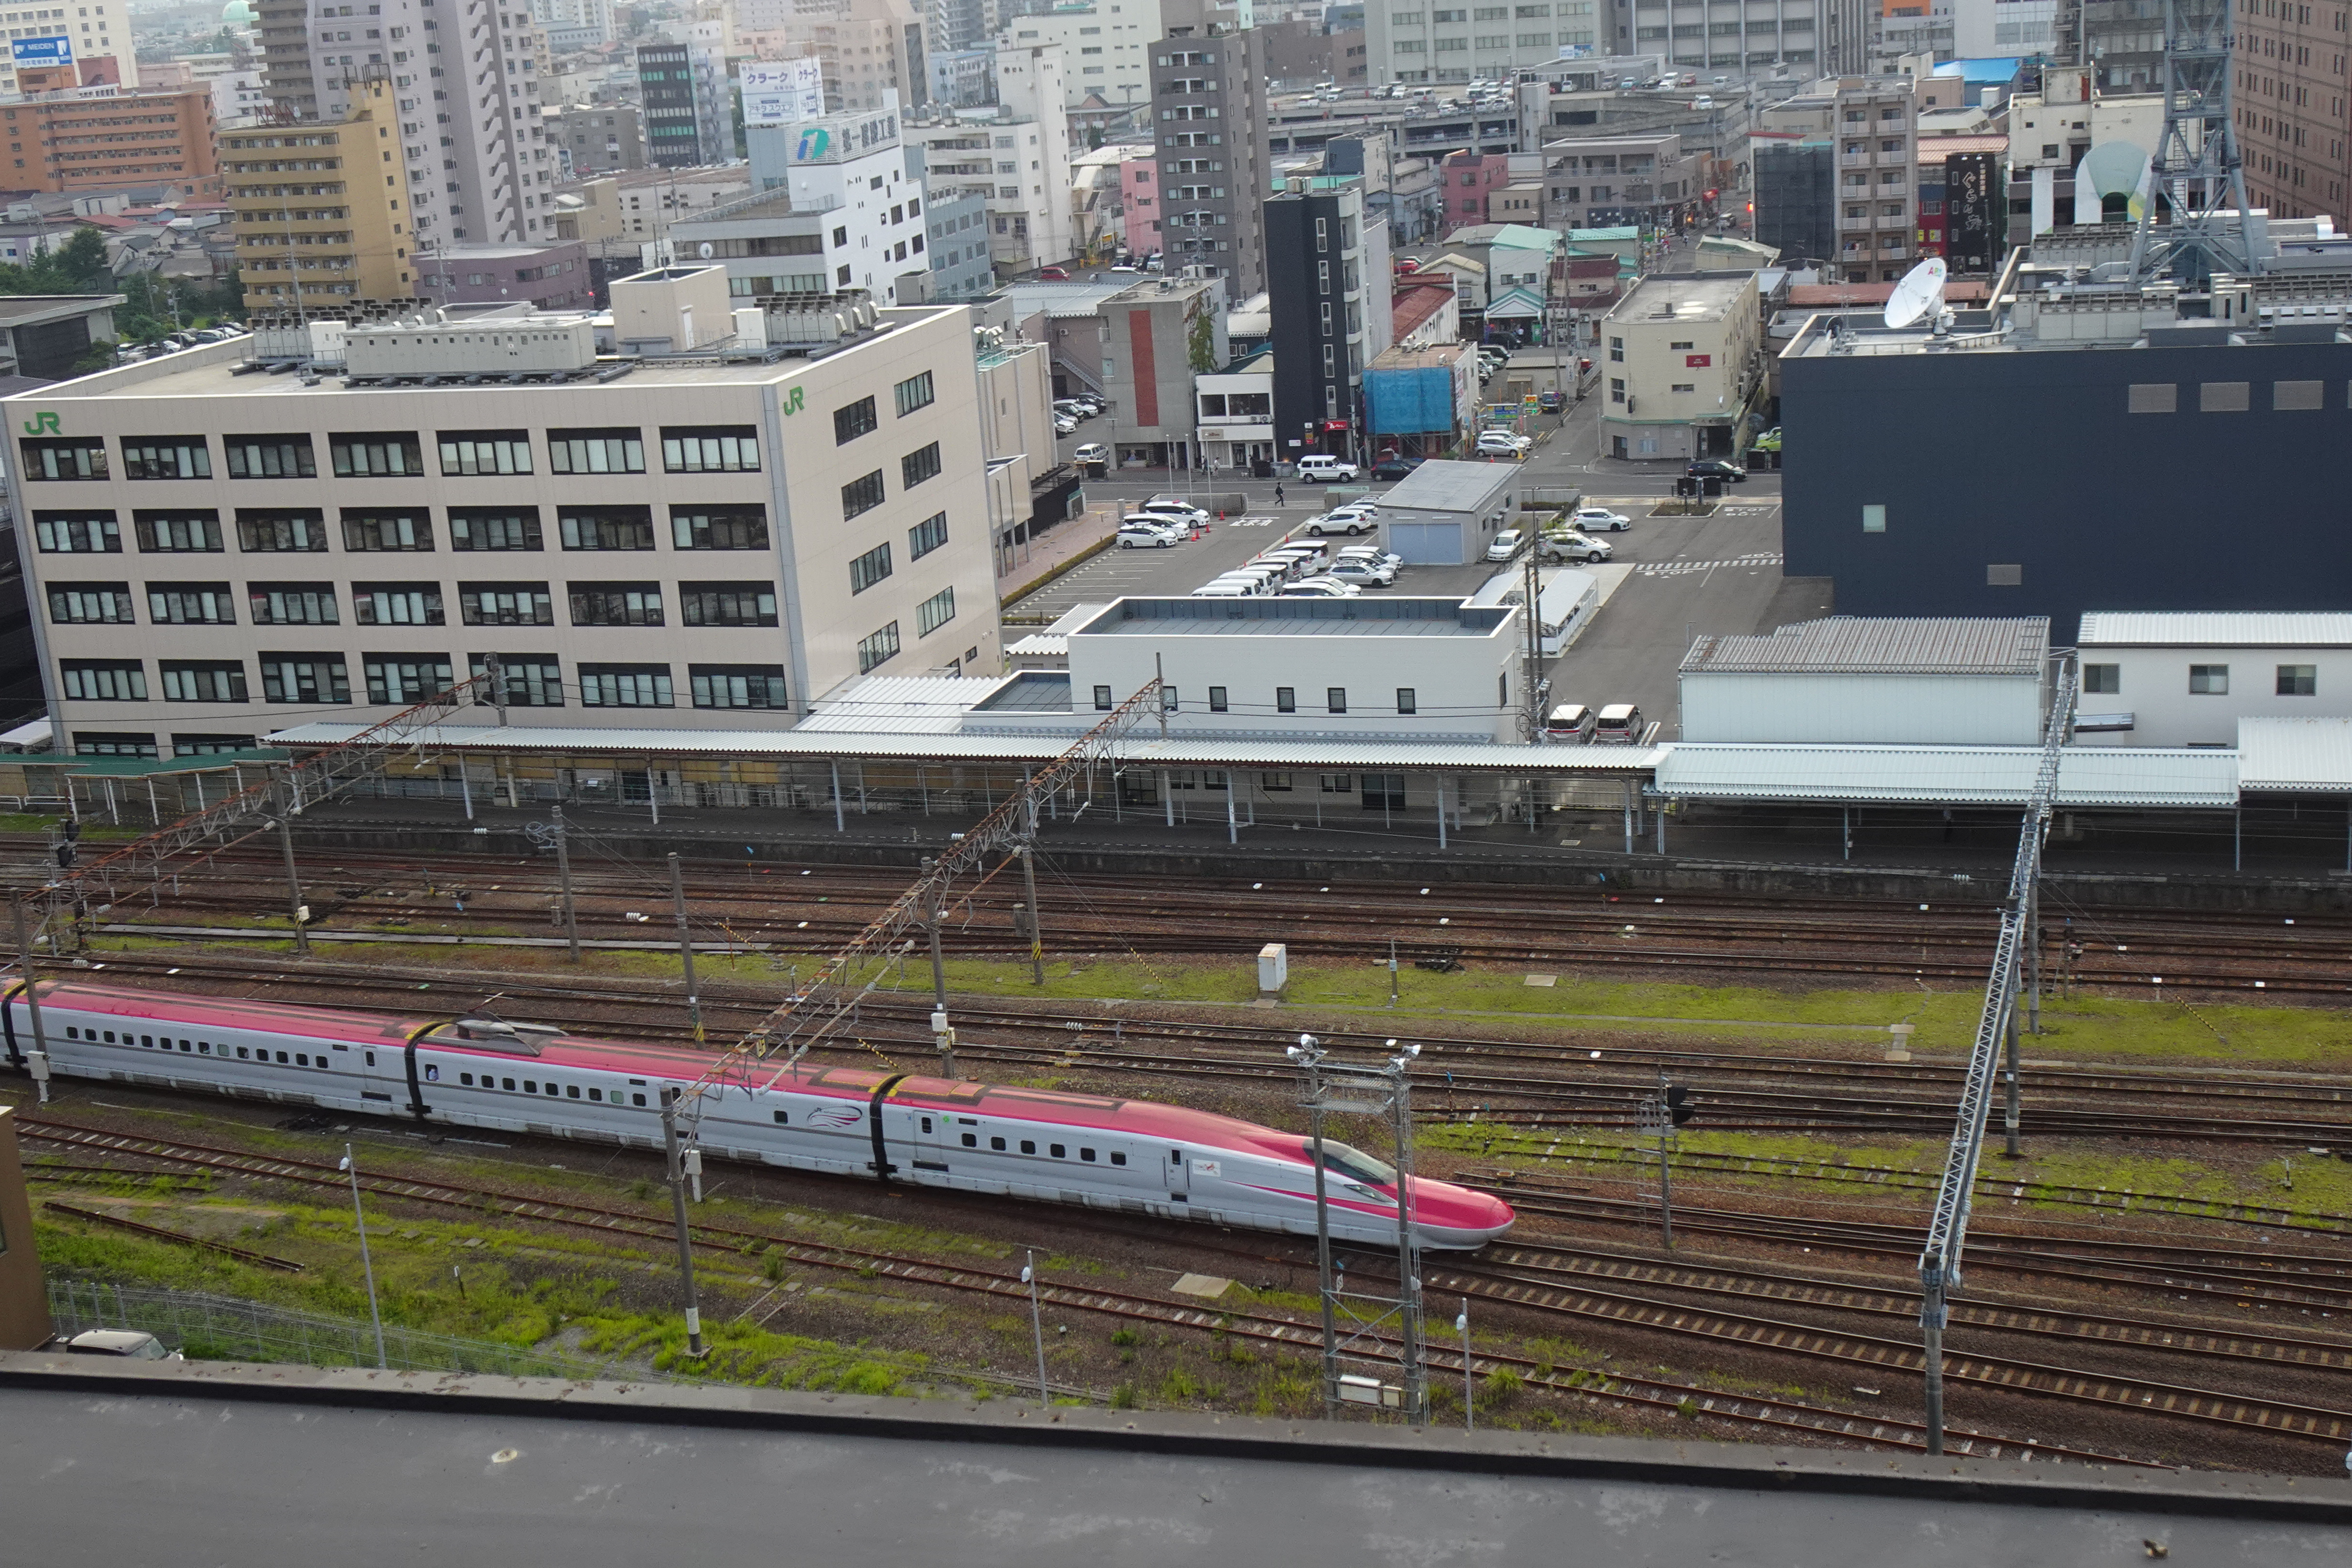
1307,569
1069,411
1160,522
1497,442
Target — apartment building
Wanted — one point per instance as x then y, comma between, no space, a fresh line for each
600,138
1322,279
317,222
735,538
869,49
1648,180
1681,359
1106,47
1016,158
100,51
1836,176
1158,335
470,152
570,25
102,143
1209,107
2294,71
678,87
837,210
1410,42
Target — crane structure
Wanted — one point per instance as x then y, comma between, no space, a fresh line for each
1948,1227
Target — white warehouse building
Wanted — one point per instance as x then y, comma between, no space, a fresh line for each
2165,679
1856,680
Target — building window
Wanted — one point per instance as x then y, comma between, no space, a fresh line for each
2208,680
1286,700
487,529
737,685
861,495
1217,700
399,679
203,680
1335,699
927,536
105,743
619,450
624,686
1406,700
1874,519
191,603
505,605
720,528
59,533
869,569
935,611
306,678
913,393
292,604
87,604
162,534
607,528
166,458
710,449
65,457
918,466
533,680
727,604
375,455
202,745
104,679
372,531
399,603
853,420
2298,681
615,604
1383,792
485,452
1102,699
2102,680
878,648
270,457
275,532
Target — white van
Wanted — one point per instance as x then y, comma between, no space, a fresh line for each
1263,576
1220,589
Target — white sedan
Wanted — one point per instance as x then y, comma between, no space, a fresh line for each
1502,443
1319,587
1344,521
1600,519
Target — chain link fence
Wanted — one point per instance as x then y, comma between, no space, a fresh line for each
222,1327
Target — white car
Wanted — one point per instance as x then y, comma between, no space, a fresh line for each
1092,452
1065,425
1179,511
1501,444
1072,407
1320,588
1321,468
1345,519
1138,534
1508,545
1600,519
1361,573
1573,547
1374,555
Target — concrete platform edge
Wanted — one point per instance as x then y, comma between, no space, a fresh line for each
1512,1454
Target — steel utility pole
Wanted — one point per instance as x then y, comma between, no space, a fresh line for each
1657,1118
942,1033
41,1058
367,1264
563,872
677,1167
294,906
685,945
1411,1350
1028,853
1309,1054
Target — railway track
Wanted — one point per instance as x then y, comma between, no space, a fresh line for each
820,908
1688,1401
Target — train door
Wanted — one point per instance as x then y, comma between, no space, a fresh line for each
1179,1184
932,1137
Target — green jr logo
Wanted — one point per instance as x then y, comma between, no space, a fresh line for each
41,424
792,401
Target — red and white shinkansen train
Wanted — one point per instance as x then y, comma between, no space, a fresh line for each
1126,1154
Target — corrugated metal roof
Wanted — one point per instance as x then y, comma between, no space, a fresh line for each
1443,484
1858,645
1986,775
1143,750
2209,628
2292,755
902,704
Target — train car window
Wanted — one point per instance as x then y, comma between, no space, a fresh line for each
429,1072
927,1124
969,1120
1058,1151
204,1048
343,1048
240,1053
319,1062
1087,1155
510,1083
371,1061
997,1145
1175,1156
1028,1146
432,1073
972,1140
147,1040
72,1033
184,1045
640,1099
466,1079
573,1089
529,1085
1117,1158
782,1120
302,1060
551,1089
595,1094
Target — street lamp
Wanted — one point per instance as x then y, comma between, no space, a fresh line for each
367,1266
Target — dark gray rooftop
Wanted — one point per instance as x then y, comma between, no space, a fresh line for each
1859,645
1444,484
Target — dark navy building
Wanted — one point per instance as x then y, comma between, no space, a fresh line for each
2078,455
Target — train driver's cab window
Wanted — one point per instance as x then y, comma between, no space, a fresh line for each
432,1073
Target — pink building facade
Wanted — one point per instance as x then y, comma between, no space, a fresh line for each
1139,189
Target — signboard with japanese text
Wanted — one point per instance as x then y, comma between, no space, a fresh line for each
56,51
781,92
1975,213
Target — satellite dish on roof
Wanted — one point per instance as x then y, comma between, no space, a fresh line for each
1921,290
708,250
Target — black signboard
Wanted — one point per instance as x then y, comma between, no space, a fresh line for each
1975,207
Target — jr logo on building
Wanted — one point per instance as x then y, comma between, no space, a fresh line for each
41,424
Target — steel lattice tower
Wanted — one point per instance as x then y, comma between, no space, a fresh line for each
2197,170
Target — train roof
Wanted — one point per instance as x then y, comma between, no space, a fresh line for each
182,1010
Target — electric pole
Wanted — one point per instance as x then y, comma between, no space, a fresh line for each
685,945
677,1166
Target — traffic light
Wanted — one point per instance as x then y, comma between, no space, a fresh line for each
65,857
72,829
1679,1109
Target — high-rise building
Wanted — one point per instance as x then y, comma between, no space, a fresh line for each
1839,164
600,137
467,140
100,143
1029,213
573,25
1316,287
675,81
1207,108
1105,54
98,53
867,49
2291,94
957,25
317,222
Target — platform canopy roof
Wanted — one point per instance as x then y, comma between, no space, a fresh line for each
1946,775
2295,756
